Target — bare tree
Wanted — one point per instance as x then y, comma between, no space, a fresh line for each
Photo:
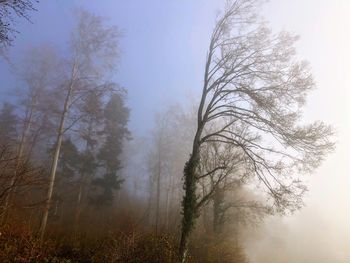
9,9
171,138
94,49
159,163
38,74
253,82
27,177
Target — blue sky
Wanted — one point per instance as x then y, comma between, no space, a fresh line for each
163,46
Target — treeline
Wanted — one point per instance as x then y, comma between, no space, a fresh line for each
62,136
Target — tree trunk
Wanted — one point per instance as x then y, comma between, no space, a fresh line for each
158,195
218,199
78,208
189,201
52,177
55,159
167,209
148,213
171,202
189,206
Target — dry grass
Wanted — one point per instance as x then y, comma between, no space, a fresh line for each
19,244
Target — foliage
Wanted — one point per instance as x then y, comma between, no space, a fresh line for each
115,132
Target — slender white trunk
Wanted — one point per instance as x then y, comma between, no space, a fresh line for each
56,156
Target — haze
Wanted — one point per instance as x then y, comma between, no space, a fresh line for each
163,48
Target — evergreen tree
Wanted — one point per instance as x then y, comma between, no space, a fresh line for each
90,133
116,116
70,159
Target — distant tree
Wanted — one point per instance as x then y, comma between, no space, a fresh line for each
69,159
38,72
8,10
28,176
254,82
115,132
157,162
41,72
7,160
8,124
169,147
94,50
90,132
223,180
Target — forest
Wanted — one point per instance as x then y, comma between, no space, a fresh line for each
79,184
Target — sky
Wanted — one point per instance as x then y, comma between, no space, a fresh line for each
163,52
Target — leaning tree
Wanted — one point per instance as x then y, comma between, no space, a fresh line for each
253,92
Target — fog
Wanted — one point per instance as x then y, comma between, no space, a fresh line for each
320,231
148,70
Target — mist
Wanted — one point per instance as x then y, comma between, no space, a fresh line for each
212,131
